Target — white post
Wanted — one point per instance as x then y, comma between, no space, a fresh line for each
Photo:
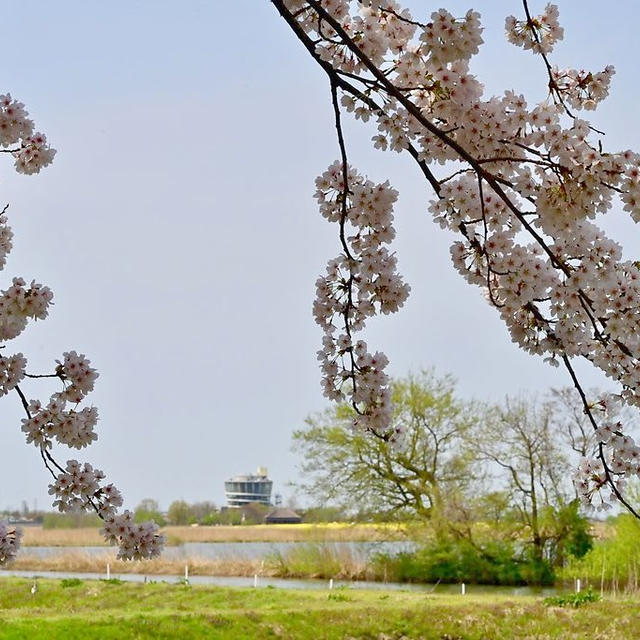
331,583
108,572
463,590
186,573
578,585
255,580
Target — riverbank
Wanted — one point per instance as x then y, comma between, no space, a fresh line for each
341,561
105,610
322,532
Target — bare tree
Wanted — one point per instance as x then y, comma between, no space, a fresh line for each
531,445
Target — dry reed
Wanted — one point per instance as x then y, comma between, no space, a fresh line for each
329,532
82,562
309,561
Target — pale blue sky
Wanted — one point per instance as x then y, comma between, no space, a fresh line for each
178,232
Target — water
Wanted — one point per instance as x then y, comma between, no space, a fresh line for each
285,583
239,550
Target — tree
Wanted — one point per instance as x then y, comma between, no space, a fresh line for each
340,464
204,511
524,187
75,486
179,513
149,509
521,443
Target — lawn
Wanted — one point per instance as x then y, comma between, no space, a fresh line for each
99,609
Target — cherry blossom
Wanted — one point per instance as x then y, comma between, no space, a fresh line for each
523,186
77,486
9,542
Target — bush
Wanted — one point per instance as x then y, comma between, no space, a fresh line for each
453,561
70,582
572,599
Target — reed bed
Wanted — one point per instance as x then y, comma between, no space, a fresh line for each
325,532
82,562
315,560
39,537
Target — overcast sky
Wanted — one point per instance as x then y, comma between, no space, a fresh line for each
178,232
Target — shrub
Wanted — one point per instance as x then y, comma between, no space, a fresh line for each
452,561
70,582
572,599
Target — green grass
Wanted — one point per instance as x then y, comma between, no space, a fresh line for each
106,610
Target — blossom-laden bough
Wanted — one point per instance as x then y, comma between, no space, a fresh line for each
521,185
76,486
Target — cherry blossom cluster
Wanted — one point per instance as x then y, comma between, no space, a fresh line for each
12,371
79,488
70,427
446,39
9,542
34,154
539,34
6,236
619,458
135,541
76,486
17,128
521,185
19,303
358,284
15,124
583,89
76,369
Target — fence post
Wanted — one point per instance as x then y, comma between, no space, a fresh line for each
330,583
186,574
255,580
578,585
108,572
463,590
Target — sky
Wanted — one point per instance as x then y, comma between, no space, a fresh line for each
179,234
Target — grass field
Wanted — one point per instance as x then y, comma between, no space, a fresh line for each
109,610
326,532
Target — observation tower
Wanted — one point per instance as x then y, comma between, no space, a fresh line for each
241,490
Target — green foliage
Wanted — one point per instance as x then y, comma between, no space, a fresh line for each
178,513
70,520
149,509
614,560
70,582
363,474
572,599
453,561
567,532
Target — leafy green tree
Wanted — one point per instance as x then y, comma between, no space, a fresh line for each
359,472
179,513
149,509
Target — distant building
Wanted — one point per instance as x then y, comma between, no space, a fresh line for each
281,515
241,490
